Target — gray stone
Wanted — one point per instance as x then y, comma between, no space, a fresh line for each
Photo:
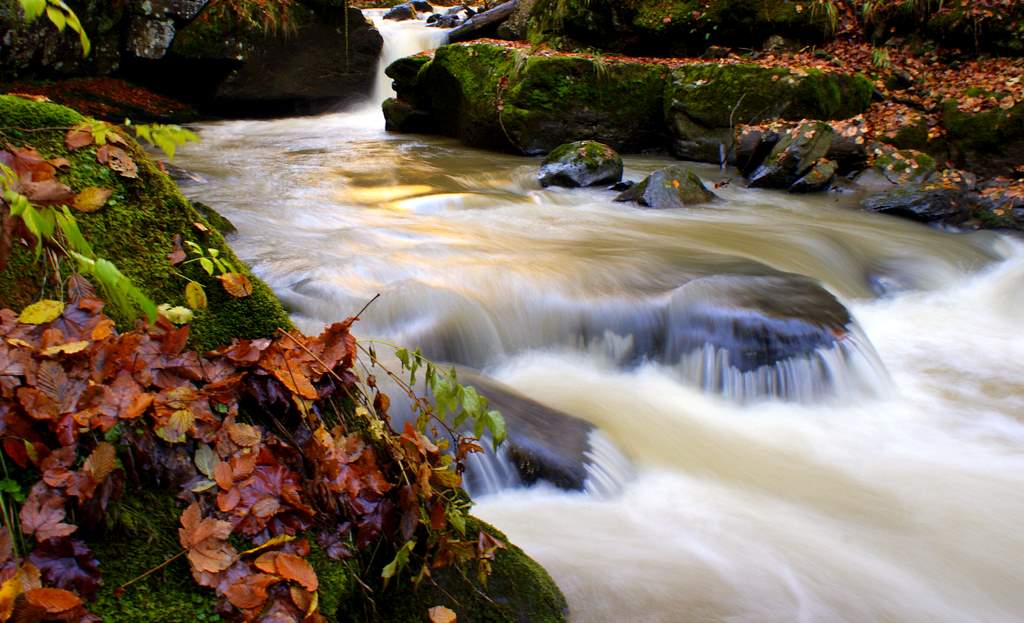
672,187
583,163
819,178
150,38
925,204
793,156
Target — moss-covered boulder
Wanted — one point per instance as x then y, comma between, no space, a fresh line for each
706,102
135,230
964,24
991,141
583,163
676,186
233,57
500,97
143,535
673,27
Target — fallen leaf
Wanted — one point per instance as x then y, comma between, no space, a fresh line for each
91,199
292,567
78,137
41,312
236,284
440,614
195,295
53,600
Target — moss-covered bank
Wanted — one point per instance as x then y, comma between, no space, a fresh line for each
142,535
503,97
135,230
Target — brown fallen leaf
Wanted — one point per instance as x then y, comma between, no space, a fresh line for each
78,137
118,160
53,600
91,199
236,284
292,567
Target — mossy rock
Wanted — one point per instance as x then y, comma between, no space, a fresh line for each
990,142
796,153
498,97
142,534
673,27
135,231
583,163
518,591
675,186
705,102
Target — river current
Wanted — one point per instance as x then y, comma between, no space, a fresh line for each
900,501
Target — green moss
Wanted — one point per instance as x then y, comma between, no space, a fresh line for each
518,591
135,231
143,535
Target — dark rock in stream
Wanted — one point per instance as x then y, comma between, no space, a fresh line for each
796,153
758,320
925,204
543,443
675,186
401,12
583,163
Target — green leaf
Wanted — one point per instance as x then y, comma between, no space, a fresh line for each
69,227
457,519
496,424
13,489
195,295
32,8
57,17
403,356
41,312
399,562
207,265
206,460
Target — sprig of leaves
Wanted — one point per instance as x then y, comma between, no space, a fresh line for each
60,15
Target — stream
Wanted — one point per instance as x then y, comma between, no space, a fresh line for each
895,493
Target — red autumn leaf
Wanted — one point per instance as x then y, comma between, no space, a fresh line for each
205,539
292,567
177,256
43,515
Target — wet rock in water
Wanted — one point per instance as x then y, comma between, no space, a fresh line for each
543,443
902,166
583,163
819,178
422,6
752,146
216,220
401,12
401,116
676,186
933,204
444,21
793,156
622,186
757,320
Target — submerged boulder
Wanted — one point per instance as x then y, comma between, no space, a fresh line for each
401,12
757,320
676,186
583,163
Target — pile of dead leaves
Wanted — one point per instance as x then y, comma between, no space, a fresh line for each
271,441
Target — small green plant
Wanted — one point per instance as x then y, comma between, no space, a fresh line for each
168,138
60,14
209,259
829,10
880,58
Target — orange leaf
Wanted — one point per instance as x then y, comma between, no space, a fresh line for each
53,600
292,567
236,284
102,461
251,591
244,435
78,137
440,614
267,562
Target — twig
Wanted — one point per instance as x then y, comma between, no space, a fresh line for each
152,571
368,303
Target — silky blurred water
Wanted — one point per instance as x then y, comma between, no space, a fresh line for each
900,500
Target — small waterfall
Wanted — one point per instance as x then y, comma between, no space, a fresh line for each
401,39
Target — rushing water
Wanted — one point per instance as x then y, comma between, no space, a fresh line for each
899,500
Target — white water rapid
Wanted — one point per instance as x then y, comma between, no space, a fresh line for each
895,494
